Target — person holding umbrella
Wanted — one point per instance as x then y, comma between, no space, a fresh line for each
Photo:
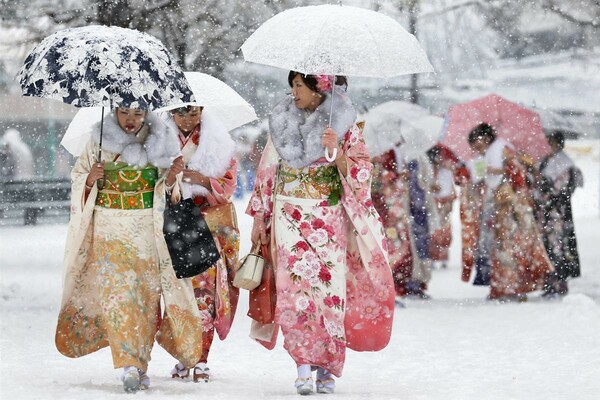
116,260
210,179
508,240
334,289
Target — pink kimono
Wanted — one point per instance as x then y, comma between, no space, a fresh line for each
334,283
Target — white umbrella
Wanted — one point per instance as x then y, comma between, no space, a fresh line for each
220,99
389,123
215,95
336,40
421,135
79,131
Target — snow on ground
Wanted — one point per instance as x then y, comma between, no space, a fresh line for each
456,346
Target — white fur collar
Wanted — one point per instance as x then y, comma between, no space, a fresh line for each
297,137
159,149
213,156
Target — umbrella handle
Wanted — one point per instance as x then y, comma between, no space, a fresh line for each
333,157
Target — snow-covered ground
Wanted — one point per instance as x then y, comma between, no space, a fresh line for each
456,346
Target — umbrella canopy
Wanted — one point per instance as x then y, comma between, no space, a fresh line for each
220,99
336,40
79,131
216,96
516,124
395,121
104,66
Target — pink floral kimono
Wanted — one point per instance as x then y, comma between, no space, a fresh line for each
210,150
334,284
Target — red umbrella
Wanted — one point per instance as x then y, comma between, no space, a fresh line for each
514,123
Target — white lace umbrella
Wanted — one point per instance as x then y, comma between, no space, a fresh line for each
336,40
215,95
396,121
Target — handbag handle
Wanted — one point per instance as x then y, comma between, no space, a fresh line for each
256,248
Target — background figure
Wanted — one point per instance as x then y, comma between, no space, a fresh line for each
508,236
424,222
17,160
557,179
209,178
334,289
448,170
390,198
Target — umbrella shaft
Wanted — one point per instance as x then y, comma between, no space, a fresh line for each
100,144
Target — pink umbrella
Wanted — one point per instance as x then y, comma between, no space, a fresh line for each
514,123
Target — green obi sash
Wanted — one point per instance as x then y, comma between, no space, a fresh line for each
126,187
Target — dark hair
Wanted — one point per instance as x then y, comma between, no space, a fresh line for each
557,137
434,155
311,82
482,131
184,110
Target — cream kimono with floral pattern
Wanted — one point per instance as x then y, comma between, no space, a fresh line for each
334,284
117,266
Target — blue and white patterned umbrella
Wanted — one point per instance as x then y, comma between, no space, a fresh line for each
100,66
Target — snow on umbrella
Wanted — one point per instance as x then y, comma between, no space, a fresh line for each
104,66
514,123
421,135
388,123
213,94
218,97
336,40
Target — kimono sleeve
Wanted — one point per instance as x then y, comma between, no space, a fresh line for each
360,168
261,200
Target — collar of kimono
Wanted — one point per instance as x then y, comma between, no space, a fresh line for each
194,136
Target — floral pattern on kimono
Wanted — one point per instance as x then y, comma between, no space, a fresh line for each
390,198
117,266
215,294
336,268
471,203
513,243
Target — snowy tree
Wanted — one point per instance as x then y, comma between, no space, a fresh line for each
203,35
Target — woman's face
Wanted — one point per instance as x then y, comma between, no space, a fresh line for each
480,145
130,119
304,98
186,120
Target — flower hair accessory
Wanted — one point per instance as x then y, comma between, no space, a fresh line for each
324,83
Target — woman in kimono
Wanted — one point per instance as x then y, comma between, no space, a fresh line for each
447,169
116,261
390,198
209,178
509,239
333,281
556,181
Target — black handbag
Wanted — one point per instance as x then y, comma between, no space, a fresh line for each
190,243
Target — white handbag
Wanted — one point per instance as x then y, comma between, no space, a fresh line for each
249,274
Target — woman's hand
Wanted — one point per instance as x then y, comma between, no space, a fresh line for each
330,141
259,230
176,168
97,172
196,178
